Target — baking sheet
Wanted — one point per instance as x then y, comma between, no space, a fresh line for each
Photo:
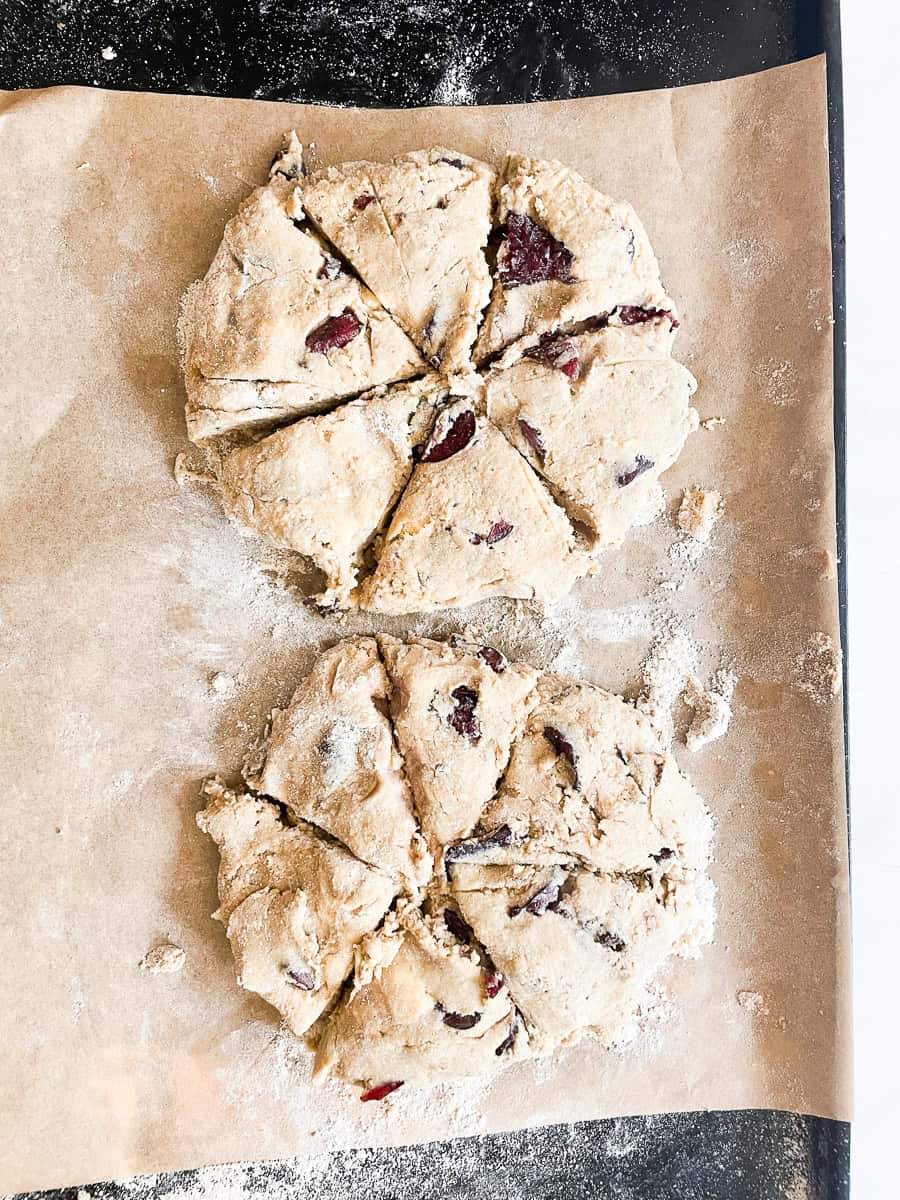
143,641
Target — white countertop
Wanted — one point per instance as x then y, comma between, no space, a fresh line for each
871,53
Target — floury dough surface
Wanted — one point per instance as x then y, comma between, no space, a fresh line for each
448,862
522,308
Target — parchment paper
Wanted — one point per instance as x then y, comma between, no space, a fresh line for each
142,640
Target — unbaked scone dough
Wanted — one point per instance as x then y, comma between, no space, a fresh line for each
556,403
415,229
569,863
475,521
568,254
600,418
325,485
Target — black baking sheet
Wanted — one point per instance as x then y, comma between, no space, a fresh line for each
400,53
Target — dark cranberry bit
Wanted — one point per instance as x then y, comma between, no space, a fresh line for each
563,747
633,314
281,166
664,854
556,352
501,836
493,984
494,659
533,437
510,1040
639,466
331,267
453,162
456,438
300,979
531,254
463,718
382,1090
539,902
460,929
334,333
611,940
498,531
363,201
461,1020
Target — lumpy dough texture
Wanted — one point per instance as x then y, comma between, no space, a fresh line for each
449,862
439,382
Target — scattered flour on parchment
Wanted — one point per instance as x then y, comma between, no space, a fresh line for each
817,668
711,706
669,676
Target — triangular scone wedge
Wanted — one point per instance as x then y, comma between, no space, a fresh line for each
475,521
456,712
424,1008
325,485
415,229
588,782
568,254
577,950
330,757
294,905
600,431
277,307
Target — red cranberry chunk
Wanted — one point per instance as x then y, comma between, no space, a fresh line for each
611,940
463,718
363,201
493,984
334,333
300,978
461,1020
531,254
633,314
539,902
562,747
638,467
556,352
460,929
382,1090
494,659
533,437
664,854
453,162
454,439
510,1040
498,531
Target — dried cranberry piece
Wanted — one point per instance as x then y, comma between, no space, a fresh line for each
539,902
494,659
453,162
533,437
556,352
334,333
563,747
363,201
463,718
460,929
531,254
633,314
493,984
382,1090
331,267
640,465
461,1020
510,1040
663,855
611,940
456,438
300,979
498,531
501,836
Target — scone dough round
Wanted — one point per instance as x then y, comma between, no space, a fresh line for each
446,862
468,373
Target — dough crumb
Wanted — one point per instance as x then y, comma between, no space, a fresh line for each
699,511
221,684
712,422
753,1002
670,662
163,959
712,708
108,53
817,668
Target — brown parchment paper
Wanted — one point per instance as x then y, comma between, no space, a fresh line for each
142,640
